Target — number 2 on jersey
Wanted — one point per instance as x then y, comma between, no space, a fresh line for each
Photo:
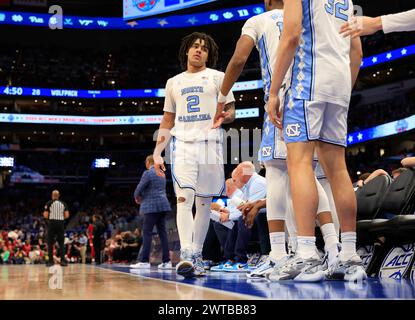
192,103
339,8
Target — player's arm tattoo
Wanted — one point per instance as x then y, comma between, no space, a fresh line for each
230,108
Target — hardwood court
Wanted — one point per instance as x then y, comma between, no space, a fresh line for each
118,282
87,282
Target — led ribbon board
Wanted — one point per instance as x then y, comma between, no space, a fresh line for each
381,131
107,23
100,121
107,94
134,9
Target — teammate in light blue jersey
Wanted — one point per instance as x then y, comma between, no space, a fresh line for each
323,67
263,32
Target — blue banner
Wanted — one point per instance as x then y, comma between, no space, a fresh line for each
388,56
381,131
106,23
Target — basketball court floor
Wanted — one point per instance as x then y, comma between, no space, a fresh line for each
118,282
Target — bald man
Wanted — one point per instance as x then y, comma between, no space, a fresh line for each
253,187
228,237
55,213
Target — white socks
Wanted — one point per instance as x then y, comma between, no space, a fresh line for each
307,247
277,240
330,241
292,244
348,240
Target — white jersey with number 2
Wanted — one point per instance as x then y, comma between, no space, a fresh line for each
193,98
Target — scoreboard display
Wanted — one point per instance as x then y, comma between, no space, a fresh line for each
134,9
101,163
6,162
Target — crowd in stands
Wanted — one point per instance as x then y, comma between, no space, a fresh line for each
389,110
73,163
94,69
23,235
380,42
127,67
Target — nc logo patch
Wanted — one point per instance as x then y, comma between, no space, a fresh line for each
266,151
293,130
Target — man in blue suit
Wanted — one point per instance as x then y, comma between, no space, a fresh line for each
154,206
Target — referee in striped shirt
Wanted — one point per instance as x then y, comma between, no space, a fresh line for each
56,211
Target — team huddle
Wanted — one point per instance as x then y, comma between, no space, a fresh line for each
308,72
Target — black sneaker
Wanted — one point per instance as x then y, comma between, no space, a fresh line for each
49,264
64,263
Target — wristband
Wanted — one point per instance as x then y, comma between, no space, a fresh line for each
221,98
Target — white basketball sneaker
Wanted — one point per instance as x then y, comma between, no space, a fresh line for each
351,270
299,269
165,266
141,265
199,268
266,268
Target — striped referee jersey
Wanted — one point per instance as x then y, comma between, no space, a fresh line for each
56,209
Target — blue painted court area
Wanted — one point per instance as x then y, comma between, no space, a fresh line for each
237,283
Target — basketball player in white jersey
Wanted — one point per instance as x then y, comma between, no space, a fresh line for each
263,32
196,148
324,67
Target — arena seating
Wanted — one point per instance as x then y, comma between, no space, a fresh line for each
386,220
368,199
